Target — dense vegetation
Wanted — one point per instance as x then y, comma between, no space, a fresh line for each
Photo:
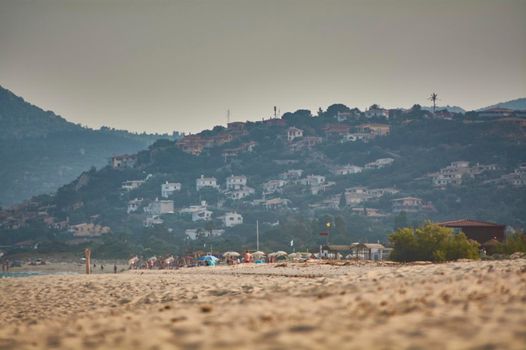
431,242
419,143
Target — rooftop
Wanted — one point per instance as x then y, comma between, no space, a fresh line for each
468,223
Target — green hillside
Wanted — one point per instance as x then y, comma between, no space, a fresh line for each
40,151
401,159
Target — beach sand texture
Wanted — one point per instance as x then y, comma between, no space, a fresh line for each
461,305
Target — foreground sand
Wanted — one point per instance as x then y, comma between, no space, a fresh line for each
462,305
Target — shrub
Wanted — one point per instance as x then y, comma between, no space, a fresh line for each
431,242
513,243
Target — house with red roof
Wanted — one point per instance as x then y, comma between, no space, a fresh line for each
480,231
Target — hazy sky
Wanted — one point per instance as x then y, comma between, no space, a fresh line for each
179,65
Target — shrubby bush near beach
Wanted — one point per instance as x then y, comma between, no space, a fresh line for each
431,242
513,244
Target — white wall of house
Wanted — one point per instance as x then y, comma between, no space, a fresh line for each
169,188
232,219
203,182
236,182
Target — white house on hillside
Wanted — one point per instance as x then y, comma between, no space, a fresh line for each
169,188
131,184
134,205
375,111
291,174
379,163
293,133
232,219
272,186
347,169
152,221
204,214
194,233
313,180
236,182
159,207
203,182
240,194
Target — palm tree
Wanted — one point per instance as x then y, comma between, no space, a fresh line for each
434,98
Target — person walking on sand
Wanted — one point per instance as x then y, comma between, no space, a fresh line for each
101,268
114,268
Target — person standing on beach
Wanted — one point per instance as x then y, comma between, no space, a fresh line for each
114,268
101,268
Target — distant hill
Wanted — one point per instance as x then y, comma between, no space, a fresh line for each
517,104
41,151
294,186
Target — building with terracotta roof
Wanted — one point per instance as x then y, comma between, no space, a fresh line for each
336,129
480,231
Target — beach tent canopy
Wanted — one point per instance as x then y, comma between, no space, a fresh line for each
228,254
208,257
280,253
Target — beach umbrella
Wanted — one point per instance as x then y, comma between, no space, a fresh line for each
295,255
228,254
208,257
258,253
280,253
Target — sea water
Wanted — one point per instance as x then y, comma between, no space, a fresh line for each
19,274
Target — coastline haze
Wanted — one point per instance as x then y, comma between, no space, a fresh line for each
163,66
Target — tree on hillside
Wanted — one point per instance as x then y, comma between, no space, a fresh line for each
401,220
433,98
298,118
336,108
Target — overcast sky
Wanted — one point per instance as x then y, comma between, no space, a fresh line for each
179,65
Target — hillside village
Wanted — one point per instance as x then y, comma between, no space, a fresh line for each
361,170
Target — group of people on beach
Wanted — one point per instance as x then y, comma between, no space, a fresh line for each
171,262
102,268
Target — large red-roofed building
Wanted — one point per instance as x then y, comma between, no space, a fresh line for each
480,231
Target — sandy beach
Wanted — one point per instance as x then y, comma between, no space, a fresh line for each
460,305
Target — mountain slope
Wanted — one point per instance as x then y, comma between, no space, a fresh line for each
40,151
517,104
417,147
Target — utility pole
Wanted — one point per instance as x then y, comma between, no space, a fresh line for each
257,235
87,256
